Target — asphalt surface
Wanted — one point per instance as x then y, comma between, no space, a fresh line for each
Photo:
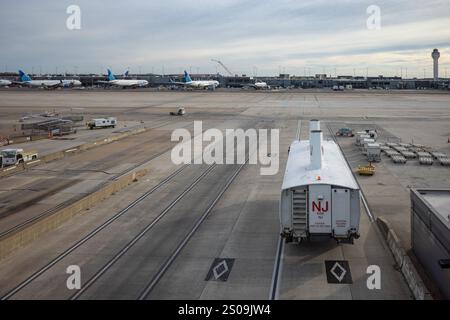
176,254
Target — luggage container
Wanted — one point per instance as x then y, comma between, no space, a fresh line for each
360,138
408,154
399,159
365,144
444,161
391,153
438,155
373,152
424,160
319,195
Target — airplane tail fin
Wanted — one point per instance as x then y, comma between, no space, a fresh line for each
187,77
23,76
110,76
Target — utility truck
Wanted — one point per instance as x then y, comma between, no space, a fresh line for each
10,157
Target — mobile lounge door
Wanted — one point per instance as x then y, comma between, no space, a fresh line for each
319,209
341,212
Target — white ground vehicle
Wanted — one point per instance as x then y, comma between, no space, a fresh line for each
110,122
338,88
319,196
373,152
180,112
11,157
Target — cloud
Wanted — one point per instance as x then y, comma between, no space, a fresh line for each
177,34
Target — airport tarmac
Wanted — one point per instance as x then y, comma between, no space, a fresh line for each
201,218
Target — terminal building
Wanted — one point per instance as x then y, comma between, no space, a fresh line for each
318,81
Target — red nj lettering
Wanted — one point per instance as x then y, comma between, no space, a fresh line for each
318,207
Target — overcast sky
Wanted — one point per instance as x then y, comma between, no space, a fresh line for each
249,36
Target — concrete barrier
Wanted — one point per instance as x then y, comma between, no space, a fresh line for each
22,237
22,139
404,263
64,153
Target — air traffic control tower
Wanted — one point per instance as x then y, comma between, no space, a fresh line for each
435,55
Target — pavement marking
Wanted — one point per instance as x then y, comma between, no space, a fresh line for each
141,234
279,257
90,235
277,270
299,128
338,272
34,161
154,281
220,269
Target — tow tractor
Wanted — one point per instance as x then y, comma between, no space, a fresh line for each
180,112
368,170
345,132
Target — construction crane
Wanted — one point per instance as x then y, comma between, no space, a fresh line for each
223,66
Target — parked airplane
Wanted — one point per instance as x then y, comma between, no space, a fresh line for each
202,84
123,82
70,83
26,80
261,85
5,83
258,85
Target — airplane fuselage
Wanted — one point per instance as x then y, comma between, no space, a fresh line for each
203,84
51,83
261,85
128,83
71,83
41,83
5,83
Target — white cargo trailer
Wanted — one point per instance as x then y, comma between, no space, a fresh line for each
319,196
110,122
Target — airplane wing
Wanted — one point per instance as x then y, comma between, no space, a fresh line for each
247,85
177,83
107,83
58,84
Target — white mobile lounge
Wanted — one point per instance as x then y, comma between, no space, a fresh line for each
319,196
